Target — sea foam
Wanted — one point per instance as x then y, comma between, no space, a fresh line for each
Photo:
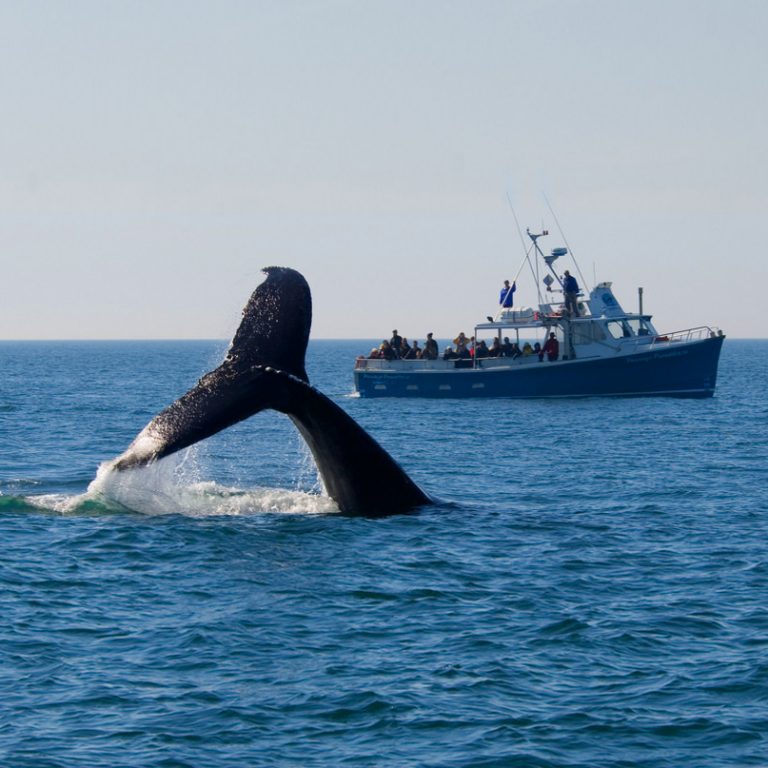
165,488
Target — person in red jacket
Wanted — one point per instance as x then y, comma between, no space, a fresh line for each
551,348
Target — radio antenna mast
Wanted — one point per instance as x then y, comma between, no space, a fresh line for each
562,234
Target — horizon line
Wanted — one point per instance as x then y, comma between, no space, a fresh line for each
223,340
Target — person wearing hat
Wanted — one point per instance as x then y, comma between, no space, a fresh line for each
430,348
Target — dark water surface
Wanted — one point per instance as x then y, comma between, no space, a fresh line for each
592,590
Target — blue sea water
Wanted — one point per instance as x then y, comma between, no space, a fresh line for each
591,590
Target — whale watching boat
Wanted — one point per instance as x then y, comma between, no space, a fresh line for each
600,350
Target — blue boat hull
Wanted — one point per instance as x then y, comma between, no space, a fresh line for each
677,370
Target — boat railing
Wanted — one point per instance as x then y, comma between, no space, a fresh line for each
687,335
379,364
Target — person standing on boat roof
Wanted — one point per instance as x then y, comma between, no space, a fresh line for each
506,296
571,293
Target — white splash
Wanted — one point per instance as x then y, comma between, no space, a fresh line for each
172,486
66,504
166,488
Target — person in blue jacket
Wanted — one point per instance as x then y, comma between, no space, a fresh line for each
570,293
507,294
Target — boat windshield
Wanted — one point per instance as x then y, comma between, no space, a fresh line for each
628,327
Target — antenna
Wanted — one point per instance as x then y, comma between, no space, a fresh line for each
517,223
562,234
526,251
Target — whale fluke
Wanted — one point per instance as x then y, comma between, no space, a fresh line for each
265,368
275,327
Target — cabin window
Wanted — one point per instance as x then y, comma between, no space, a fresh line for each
586,333
619,329
640,327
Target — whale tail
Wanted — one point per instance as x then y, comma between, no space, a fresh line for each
265,368
357,473
275,327
272,335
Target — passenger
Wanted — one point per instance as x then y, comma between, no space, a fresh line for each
405,348
463,353
449,354
430,351
414,352
481,350
506,294
516,351
395,343
374,354
461,342
571,293
537,351
386,352
506,348
527,349
551,348
495,350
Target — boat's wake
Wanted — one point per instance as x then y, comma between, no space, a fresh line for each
163,489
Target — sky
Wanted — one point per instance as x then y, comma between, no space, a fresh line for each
155,155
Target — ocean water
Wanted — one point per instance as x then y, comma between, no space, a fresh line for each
591,589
